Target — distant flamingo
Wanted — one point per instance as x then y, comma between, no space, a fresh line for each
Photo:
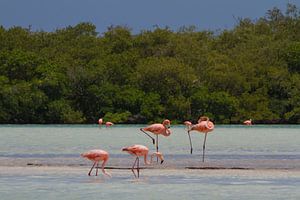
108,124
248,122
162,129
100,122
96,156
203,126
140,150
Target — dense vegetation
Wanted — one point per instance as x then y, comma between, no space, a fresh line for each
75,75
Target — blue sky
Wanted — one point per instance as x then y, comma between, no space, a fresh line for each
49,15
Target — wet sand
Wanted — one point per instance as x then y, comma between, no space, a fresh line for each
170,163
150,171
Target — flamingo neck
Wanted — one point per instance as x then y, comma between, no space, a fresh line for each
207,121
151,159
167,131
102,168
146,160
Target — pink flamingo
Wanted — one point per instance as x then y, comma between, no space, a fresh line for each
96,156
203,126
158,129
141,150
100,122
188,124
108,124
248,122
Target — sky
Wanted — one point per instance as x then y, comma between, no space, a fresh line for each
49,15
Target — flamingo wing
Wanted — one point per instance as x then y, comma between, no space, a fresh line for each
95,154
137,150
156,128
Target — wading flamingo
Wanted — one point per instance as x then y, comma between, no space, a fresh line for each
108,124
203,126
248,122
141,150
100,122
158,129
96,156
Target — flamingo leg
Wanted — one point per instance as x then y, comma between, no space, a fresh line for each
138,167
153,140
156,147
132,169
204,147
91,169
190,142
97,168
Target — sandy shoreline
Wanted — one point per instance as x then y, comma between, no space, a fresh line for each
34,170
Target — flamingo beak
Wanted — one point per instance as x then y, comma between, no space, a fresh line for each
161,157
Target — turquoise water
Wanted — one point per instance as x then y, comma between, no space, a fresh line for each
257,162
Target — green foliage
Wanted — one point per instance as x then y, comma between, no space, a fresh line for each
294,115
178,108
164,76
293,57
22,102
60,111
75,75
151,107
117,117
217,105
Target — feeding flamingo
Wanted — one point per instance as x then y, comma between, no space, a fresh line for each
108,124
203,126
158,129
248,122
141,150
96,156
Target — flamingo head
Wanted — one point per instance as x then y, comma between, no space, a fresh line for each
159,155
167,123
187,123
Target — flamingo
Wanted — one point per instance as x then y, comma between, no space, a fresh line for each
248,122
108,124
141,150
203,126
188,124
162,129
100,122
96,156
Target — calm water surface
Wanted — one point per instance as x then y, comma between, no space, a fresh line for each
42,161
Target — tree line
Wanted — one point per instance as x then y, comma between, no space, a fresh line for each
76,75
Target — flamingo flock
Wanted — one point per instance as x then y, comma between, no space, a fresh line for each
204,125
107,124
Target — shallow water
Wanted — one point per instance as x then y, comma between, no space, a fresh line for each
257,162
73,183
227,146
